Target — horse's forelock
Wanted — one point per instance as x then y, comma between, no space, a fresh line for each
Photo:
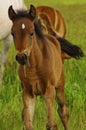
22,13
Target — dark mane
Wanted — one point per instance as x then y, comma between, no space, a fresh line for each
38,29
22,13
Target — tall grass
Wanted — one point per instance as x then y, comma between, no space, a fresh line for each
75,72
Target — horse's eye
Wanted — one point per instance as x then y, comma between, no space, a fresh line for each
31,34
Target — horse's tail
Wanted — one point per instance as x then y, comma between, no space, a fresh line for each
72,50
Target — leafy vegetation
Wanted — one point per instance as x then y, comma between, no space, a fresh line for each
75,73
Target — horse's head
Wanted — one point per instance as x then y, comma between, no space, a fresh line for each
23,32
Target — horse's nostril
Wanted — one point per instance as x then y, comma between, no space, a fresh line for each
24,56
17,57
22,59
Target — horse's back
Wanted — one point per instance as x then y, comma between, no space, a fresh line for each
48,11
52,18
61,28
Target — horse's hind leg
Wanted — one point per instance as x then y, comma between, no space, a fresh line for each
28,111
62,105
49,98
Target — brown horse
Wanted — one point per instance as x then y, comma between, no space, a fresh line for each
41,68
53,23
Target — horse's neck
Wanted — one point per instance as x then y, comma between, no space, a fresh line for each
36,54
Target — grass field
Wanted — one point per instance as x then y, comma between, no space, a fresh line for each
74,13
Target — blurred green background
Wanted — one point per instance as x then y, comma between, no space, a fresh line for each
74,13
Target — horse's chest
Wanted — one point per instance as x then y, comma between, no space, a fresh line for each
35,84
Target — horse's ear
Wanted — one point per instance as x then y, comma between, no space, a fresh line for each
32,12
11,13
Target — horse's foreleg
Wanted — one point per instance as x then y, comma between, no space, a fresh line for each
49,98
62,105
28,111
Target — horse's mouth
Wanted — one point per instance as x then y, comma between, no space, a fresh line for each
22,59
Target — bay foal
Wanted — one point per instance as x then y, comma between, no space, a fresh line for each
41,69
52,22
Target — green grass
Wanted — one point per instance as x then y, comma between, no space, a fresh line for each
55,2
75,73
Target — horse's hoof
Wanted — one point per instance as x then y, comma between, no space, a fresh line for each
52,127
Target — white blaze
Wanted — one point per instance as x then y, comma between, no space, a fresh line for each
23,26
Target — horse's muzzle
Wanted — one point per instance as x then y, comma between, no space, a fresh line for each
22,59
